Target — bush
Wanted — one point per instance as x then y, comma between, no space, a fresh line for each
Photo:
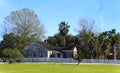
12,55
11,60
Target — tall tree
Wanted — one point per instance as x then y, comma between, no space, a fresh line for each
26,24
86,27
104,42
10,49
10,41
90,43
109,41
57,40
64,28
114,39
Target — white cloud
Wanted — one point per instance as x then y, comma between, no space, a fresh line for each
3,2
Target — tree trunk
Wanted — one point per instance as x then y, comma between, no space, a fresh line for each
64,41
115,53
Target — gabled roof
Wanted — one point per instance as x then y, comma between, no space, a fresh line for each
46,45
32,46
50,46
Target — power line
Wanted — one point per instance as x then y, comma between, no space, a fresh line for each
101,6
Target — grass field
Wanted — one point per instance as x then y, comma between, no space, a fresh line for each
59,68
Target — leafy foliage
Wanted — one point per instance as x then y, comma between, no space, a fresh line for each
12,55
57,40
10,49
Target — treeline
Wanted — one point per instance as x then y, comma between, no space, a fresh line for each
22,27
90,45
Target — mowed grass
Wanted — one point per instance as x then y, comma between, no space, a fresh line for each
59,68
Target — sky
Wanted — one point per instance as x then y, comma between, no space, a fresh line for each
105,13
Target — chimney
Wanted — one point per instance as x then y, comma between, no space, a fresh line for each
46,41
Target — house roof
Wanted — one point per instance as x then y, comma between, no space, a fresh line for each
65,48
33,45
47,45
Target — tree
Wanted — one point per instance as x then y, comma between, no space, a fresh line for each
63,28
10,48
86,26
109,41
79,57
57,40
114,39
26,24
1,48
85,41
12,55
10,40
70,40
90,43
104,42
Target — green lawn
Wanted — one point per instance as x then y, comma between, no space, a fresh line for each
58,68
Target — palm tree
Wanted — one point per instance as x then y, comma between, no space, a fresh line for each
104,43
63,28
114,39
109,38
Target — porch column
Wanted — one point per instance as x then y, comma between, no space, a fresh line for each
49,53
56,55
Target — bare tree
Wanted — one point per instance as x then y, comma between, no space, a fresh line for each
24,23
86,25
86,37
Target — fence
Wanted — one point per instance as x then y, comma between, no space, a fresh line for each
70,60
58,60
108,61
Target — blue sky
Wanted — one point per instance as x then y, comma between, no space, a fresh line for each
106,13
